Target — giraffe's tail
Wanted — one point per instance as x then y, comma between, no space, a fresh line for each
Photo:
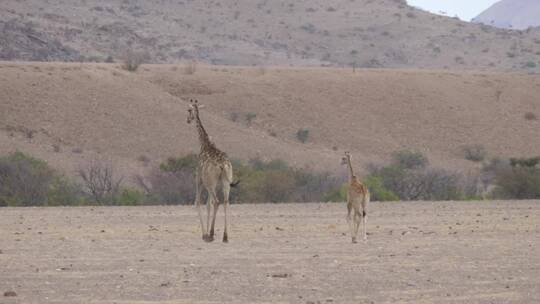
227,170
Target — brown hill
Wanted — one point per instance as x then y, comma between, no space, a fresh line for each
365,33
71,113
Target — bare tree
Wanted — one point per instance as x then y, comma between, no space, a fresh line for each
100,182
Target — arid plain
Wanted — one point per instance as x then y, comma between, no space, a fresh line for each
417,252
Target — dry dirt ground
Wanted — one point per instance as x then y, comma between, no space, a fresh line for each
419,252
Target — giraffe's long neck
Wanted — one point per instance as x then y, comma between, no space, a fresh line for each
203,136
351,173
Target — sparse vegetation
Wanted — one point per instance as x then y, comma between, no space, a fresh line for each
28,181
411,15
519,180
530,64
250,117
132,61
409,177
459,60
274,181
234,116
410,159
100,182
475,153
302,135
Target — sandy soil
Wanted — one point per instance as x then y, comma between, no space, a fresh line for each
70,114
425,252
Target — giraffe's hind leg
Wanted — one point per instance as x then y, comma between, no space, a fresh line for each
350,221
215,205
357,219
209,204
226,191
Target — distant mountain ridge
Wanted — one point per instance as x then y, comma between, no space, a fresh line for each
339,33
512,14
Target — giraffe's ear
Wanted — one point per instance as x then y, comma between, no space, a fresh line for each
201,106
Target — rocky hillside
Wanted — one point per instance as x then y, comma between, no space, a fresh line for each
512,14
362,33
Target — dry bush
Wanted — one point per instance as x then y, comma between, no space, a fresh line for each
410,159
518,183
173,182
475,153
302,135
144,159
100,182
530,116
169,188
132,61
410,178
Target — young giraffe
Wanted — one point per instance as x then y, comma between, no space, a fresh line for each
214,168
357,200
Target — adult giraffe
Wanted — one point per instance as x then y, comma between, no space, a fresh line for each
214,167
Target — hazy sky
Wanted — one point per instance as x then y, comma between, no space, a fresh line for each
464,9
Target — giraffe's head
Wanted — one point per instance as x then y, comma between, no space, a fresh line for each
193,108
345,159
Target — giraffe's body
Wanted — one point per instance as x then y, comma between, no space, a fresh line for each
357,201
214,169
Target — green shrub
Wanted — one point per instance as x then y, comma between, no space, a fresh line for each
28,181
250,117
410,159
302,135
188,162
274,181
475,153
518,183
24,180
64,192
530,64
408,177
338,194
130,197
525,162
377,190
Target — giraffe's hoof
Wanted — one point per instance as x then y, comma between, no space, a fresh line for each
354,241
207,238
225,239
